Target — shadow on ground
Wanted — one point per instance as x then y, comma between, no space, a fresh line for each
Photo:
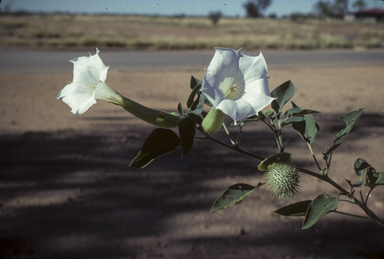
69,194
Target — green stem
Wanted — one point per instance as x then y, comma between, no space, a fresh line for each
228,134
313,155
347,201
369,193
239,135
351,215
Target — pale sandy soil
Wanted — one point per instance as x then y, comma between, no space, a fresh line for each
67,190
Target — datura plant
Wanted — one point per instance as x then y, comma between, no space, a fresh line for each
235,85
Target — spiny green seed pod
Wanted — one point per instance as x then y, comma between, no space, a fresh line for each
283,180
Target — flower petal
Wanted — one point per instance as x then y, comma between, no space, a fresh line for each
237,110
224,64
78,97
89,70
253,68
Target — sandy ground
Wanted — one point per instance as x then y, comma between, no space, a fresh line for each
67,190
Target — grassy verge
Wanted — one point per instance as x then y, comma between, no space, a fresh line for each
145,32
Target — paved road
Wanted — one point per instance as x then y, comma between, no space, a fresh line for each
31,61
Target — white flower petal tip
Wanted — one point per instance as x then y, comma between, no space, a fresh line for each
89,75
237,84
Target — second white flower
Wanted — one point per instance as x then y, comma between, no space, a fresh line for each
237,84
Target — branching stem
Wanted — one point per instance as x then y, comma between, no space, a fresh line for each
362,205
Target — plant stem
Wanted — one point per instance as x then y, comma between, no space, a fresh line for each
366,200
314,157
229,135
352,215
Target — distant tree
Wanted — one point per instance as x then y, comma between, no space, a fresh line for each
214,17
359,4
255,8
340,7
323,9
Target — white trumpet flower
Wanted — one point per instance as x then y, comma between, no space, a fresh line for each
237,84
89,75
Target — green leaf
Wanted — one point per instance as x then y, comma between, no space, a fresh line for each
187,133
180,109
283,93
297,111
350,119
381,179
320,206
194,82
275,158
267,113
197,119
198,105
191,99
360,166
233,195
296,209
307,128
357,184
331,149
371,176
292,120
158,143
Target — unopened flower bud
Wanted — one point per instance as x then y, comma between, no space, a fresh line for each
213,122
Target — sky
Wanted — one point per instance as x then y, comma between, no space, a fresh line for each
163,7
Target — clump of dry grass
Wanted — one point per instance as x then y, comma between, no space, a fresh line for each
147,32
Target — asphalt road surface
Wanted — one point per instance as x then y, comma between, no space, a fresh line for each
37,61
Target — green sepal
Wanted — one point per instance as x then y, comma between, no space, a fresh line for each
320,206
296,209
307,128
233,195
360,166
275,158
350,119
283,93
187,131
159,142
